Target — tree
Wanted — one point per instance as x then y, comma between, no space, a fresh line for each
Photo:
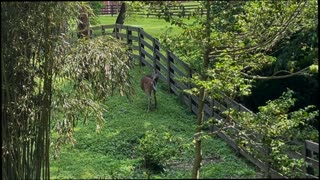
276,128
29,32
122,15
37,64
96,7
244,35
203,77
84,23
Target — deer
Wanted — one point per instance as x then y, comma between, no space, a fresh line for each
149,84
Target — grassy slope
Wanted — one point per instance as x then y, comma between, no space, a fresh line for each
112,154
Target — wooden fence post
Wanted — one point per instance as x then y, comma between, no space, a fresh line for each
183,13
129,41
170,70
141,46
155,56
309,149
211,113
103,30
116,31
304,155
267,162
189,87
119,27
129,33
111,10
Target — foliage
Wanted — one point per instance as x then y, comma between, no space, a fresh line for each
93,70
96,7
156,149
243,37
36,61
29,32
114,151
241,40
273,128
293,53
148,6
96,11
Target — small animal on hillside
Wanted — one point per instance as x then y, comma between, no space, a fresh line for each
149,84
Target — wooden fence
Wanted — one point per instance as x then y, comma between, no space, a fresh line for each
111,9
310,154
149,52
180,10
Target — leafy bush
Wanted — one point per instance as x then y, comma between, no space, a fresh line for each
157,149
96,9
277,127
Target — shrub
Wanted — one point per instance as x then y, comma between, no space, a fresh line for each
156,149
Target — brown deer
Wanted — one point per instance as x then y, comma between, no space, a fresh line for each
149,84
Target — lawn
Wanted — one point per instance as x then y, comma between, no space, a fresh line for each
113,153
152,25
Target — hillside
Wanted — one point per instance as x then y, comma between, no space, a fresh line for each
113,153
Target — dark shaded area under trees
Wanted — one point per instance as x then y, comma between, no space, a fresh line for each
295,52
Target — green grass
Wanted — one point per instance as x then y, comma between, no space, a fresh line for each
151,25
112,153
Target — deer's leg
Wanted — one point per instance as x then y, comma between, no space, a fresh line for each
149,103
155,98
148,100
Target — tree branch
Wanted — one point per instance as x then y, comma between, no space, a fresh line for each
265,44
257,77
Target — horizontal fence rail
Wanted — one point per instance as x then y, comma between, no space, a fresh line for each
111,9
150,52
180,10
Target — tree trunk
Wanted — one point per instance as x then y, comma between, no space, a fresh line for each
198,149
84,24
121,16
202,96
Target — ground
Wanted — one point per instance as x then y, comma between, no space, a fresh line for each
112,153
